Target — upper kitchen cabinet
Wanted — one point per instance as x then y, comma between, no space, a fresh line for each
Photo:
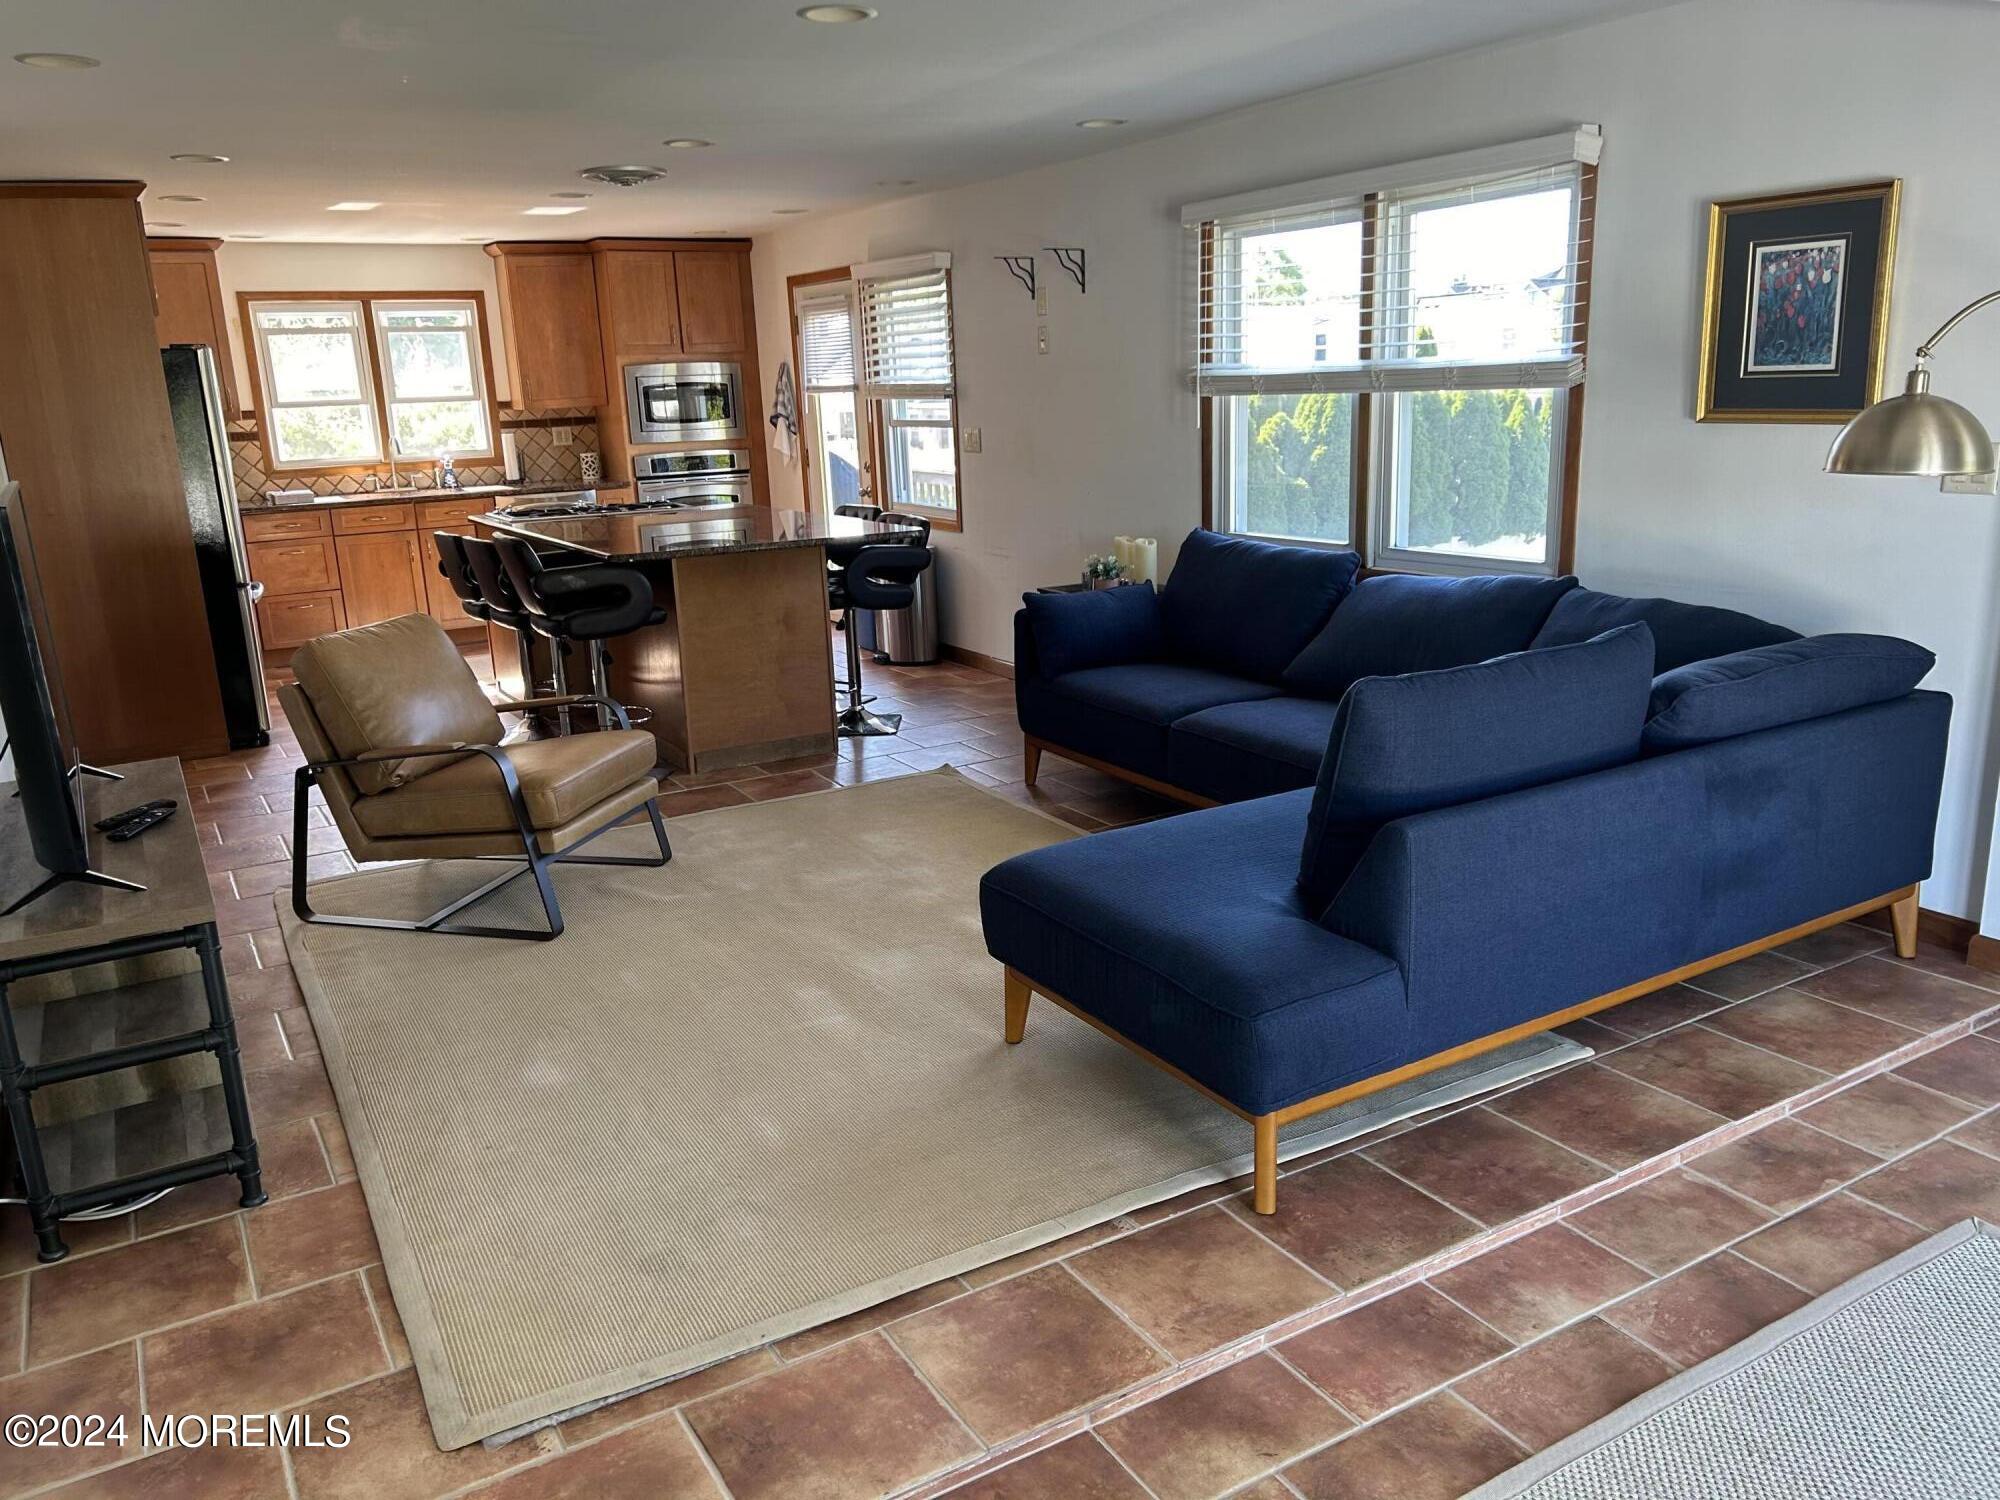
187,303
548,306
639,300
711,300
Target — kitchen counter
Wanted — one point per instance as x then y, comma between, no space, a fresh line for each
739,671
655,535
430,492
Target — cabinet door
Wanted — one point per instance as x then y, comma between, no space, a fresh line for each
639,289
381,576
549,306
440,598
298,619
711,300
188,309
293,567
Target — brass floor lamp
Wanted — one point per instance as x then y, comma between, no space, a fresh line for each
1916,433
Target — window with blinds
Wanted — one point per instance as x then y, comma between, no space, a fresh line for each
826,342
906,328
1437,309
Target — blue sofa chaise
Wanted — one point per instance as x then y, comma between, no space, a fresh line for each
1438,815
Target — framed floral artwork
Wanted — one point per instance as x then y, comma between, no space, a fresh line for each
1796,304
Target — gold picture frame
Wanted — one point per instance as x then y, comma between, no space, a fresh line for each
1740,394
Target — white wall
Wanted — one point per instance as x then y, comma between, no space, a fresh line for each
245,267
1716,98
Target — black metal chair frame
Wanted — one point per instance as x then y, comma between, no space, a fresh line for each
535,863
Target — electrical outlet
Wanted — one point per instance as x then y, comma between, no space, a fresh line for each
974,440
563,437
1971,484
1041,338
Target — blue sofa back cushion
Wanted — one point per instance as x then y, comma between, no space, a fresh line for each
1247,607
1780,684
1395,623
1096,628
1403,745
1682,633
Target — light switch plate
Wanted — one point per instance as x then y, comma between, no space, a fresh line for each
974,440
1974,484
1042,338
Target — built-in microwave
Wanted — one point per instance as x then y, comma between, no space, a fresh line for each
681,403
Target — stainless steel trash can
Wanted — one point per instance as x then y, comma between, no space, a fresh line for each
909,637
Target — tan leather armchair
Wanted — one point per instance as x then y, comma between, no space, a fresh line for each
407,752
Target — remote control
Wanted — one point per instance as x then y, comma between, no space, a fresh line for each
131,828
133,814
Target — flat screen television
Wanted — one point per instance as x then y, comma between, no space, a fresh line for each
39,734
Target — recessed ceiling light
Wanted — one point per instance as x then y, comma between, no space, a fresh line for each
165,224
896,182
181,198
790,210
246,236
625,177
550,211
199,157
1100,122
837,15
687,143
351,206
61,62
569,195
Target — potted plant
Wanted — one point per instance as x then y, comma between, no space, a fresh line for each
1103,572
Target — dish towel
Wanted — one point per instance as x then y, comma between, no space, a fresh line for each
785,414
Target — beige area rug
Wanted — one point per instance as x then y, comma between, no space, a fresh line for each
754,1090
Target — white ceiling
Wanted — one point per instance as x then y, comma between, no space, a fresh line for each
458,114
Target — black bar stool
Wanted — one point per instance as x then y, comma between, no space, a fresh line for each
872,577
470,562
587,603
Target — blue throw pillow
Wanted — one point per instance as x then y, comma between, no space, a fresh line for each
1401,622
1781,684
1247,607
1403,745
1095,628
1681,632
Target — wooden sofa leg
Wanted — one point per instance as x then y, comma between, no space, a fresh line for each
1018,995
1031,761
1264,1186
1903,918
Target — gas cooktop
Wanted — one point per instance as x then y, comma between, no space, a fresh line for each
626,507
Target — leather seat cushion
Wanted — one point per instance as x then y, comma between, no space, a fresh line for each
399,682
560,779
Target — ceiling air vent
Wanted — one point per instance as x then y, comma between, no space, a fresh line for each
625,177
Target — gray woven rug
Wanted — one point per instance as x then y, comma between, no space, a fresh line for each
1886,1386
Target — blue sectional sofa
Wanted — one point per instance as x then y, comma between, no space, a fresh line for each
1438,814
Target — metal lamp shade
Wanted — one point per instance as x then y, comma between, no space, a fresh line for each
1915,433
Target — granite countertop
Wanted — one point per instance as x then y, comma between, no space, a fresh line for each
652,535
433,492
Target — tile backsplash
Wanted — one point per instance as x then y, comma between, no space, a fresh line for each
542,462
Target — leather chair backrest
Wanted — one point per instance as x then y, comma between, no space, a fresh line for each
456,569
884,577
483,558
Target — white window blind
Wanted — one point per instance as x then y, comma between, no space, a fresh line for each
826,341
906,348
1459,272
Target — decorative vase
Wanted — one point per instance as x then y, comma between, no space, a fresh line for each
590,467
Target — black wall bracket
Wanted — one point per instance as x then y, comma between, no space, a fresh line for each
1071,259
1021,268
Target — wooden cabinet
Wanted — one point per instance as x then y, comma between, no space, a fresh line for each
381,576
433,516
710,299
298,566
357,519
297,618
638,302
548,307
187,303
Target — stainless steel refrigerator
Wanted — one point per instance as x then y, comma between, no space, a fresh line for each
194,392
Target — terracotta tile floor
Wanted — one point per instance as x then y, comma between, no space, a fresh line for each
1428,1306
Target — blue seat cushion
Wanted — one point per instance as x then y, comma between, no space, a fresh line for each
1247,607
1244,750
1188,936
1397,622
1095,628
1780,684
1682,633
1121,714
1403,745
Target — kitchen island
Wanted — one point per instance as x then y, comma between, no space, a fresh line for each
741,670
